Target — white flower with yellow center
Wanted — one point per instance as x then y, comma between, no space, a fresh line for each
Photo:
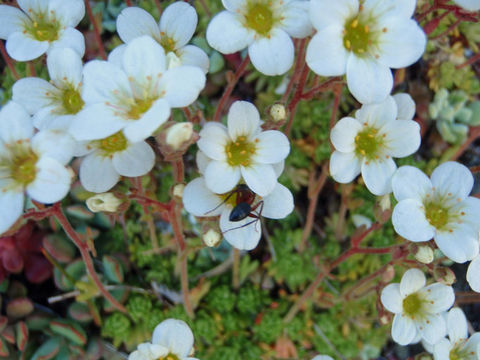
41,27
418,308
242,150
171,340
175,29
458,346
265,27
364,39
53,104
246,233
30,163
110,158
438,208
367,142
133,93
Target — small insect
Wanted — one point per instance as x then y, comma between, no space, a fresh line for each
243,206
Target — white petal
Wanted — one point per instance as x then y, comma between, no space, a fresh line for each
322,357
65,66
343,134
433,328
178,22
412,281
71,38
344,167
234,5
47,119
243,120
296,20
55,144
326,54
23,48
213,139
182,85
32,93
273,55
453,178
37,6
409,221
378,114
385,8
405,106
470,5
198,200
116,55
134,22
402,137
278,168
11,20
69,13
368,80
226,34
377,175
272,147
403,329
202,161
174,335
15,123
410,183
441,349
473,274
440,297
261,179
221,177
391,298
146,51
402,44
473,344
11,208
52,181
194,56
142,128
457,325
95,122
324,13
278,204
136,160
97,173
240,235
460,245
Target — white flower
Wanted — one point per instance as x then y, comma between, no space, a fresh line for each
438,208
108,159
368,142
200,201
242,150
417,308
30,163
265,27
135,94
41,27
470,5
103,202
174,31
473,274
171,339
322,357
458,345
364,40
53,104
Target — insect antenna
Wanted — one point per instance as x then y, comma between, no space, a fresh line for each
223,202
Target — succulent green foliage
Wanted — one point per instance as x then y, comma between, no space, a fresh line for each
454,113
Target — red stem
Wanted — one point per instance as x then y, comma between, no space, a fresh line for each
292,107
96,30
296,72
8,61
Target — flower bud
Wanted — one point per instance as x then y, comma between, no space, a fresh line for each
212,238
388,274
103,202
278,112
179,134
178,190
424,254
385,203
444,275
359,220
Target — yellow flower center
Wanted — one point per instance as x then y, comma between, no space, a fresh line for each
357,36
240,152
21,163
413,305
368,143
436,214
112,144
139,107
457,353
167,43
170,356
259,17
71,100
42,28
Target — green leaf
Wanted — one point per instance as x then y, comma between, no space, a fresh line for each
113,269
71,331
18,308
48,350
21,335
4,352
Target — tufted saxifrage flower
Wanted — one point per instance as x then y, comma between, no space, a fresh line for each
364,39
418,308
367,143
265,27
242,149
41,27
438,208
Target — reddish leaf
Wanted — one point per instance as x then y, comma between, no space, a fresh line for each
37,268
21,331
12,260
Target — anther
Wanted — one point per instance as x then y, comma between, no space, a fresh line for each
354,23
